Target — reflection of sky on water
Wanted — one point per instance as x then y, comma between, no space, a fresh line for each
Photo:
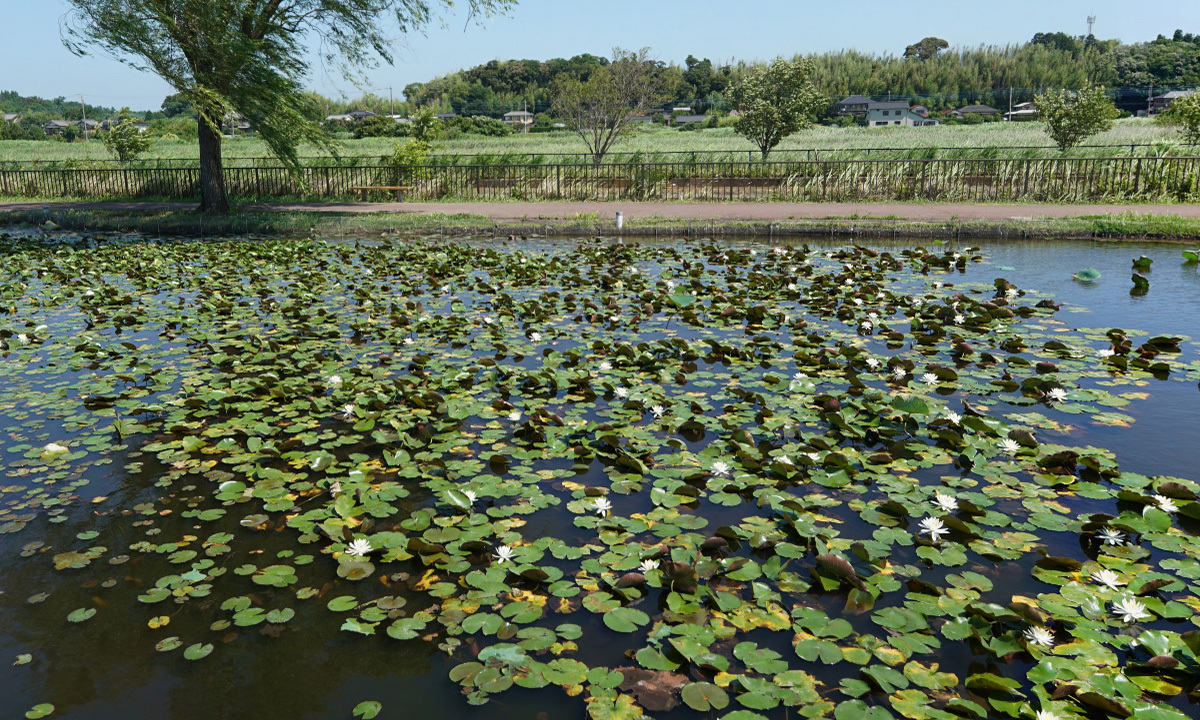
107,667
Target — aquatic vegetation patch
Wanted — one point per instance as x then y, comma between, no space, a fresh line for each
741,479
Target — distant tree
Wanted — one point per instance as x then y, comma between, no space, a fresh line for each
1058,41
379,126
776,100
176,105
1185,113
1073,116
927,49
599,109
124,139
248,57
425,126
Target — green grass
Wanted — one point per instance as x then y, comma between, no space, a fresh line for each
995,139
190,223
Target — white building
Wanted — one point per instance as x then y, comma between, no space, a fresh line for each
881,114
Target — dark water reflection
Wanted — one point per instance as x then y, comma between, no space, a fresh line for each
107,668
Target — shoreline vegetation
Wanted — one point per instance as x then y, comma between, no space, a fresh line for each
188,223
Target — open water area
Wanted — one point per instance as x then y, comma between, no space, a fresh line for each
682,479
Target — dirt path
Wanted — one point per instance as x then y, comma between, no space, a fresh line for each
762,212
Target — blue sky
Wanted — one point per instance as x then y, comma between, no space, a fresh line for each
34,62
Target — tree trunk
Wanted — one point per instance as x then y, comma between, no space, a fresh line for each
212,179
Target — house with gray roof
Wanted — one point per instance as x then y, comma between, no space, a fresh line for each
853,105
978,110
1163,102
883,114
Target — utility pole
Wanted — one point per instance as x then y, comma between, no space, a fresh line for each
84,106
1150,99
391,101
1010,95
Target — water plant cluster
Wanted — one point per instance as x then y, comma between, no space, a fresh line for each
734,481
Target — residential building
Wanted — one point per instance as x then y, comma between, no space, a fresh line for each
853,105
1022,111
899,113
11,117
978,110
1164,101
55,127
689,119
920,110
519,118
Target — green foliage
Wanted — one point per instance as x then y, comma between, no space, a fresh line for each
124,140
1073,116
776,101
601,108
927,49
1185,113
253,66
380,126
426,127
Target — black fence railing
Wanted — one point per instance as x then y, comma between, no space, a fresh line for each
1166,147
1143,179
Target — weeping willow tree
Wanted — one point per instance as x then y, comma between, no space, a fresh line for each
246,58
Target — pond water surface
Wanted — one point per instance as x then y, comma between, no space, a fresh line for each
210,467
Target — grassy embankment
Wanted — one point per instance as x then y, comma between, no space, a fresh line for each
187,223
987,140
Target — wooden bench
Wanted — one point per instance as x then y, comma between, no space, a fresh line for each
400,189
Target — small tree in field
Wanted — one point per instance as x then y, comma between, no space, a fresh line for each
1185,113
775,101
124,140
1073,116
601,108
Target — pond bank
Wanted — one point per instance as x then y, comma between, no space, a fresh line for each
1158,222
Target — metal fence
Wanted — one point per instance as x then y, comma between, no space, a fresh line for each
1143,179
507,157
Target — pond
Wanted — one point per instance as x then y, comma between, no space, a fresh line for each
409,477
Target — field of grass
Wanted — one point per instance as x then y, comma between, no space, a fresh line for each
661,144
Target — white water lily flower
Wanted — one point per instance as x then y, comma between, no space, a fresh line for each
1112,536
1045,715
1040,636
953,417
348,411
470,495
359,548
934,528
873,363
648,565
621,393
54,449
535,336
503,553
487,320
603,506
670,284
873,315
1165,504
720,468
1011,293
657,410
792,287
945,502
858,301
1056,395
1010,446
957,255
1130,610
937,286
1107,578
929,379
848,282
605,366
899,373
408,341
334,381
960,319
1106,353
23,338
866,325
784,460
514,416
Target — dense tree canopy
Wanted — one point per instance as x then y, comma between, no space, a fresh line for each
247,58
